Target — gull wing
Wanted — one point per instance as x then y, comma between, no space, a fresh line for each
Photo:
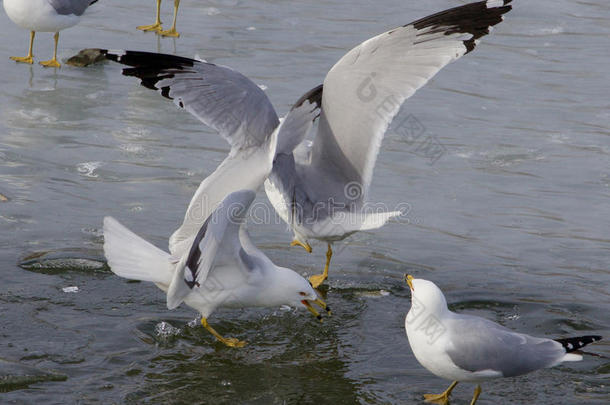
225,100
484,347
67,7
365,89
218,96
219,236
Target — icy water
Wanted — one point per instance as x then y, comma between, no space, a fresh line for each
511,218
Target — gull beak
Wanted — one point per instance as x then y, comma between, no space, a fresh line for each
322,305
312,310
409,280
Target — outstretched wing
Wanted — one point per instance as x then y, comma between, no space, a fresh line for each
219,235
219,96
365,89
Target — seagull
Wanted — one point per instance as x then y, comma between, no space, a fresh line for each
222,268
157,26
45,16
321,190
469,348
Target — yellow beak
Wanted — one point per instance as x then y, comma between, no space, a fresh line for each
312,310
322,305
409,280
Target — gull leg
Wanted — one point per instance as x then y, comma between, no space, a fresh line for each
157,25
441,398
231,342
301,244
318,279
30,58
172,31
53,62
477,392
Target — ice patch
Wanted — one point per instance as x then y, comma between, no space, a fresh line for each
164,330
88,168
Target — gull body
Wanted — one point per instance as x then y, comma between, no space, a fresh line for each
222,267
466,348
320,189
45,16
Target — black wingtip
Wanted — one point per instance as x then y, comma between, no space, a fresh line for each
576,343
150,67
474,18
314,96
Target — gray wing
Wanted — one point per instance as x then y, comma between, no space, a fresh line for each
217,240
365,88
220,97
67,7
482,345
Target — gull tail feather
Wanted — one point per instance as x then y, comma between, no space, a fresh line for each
134,258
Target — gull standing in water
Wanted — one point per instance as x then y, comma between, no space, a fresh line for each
322,193
469,348
45,16
158,27
222,268
241,112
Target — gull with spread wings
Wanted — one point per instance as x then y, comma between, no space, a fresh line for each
322,193
321,190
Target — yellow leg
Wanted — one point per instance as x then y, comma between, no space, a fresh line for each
477,392
301,244
318,279
157,25
441,398
231,342
30,58
53,62
172,31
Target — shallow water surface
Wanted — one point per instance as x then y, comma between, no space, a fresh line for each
511,220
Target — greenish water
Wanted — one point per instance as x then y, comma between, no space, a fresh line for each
511,222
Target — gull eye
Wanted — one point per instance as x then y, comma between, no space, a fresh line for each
303,294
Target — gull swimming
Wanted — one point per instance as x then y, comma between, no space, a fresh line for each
158,26
321,190
222,268
468,348
45,16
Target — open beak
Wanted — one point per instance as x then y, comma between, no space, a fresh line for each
409,279
312,309
322,305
